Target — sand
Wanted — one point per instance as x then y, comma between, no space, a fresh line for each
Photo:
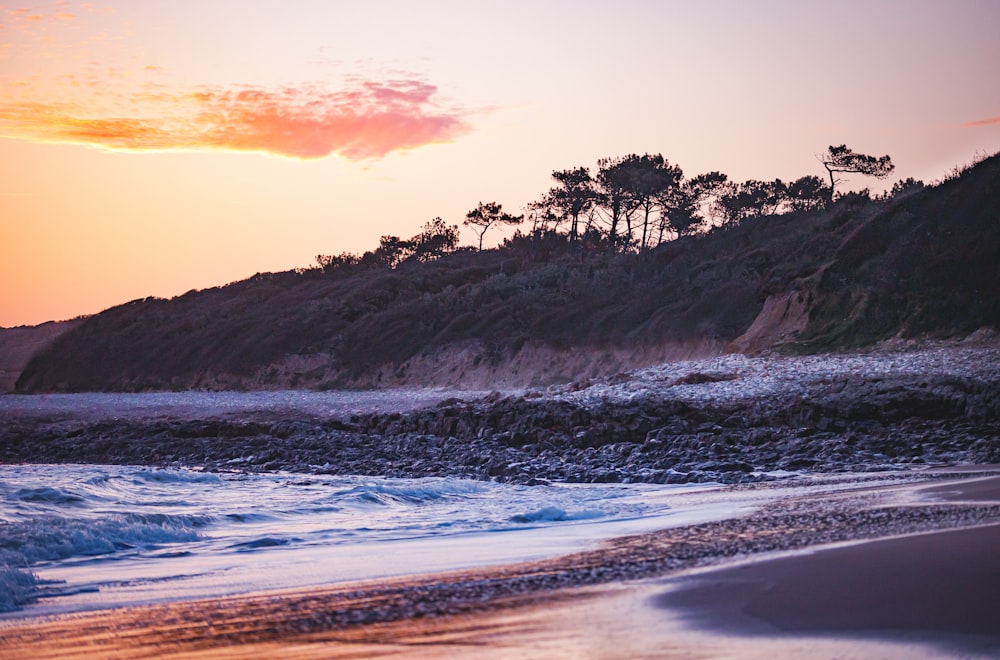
939,588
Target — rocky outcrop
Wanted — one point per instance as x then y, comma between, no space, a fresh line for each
840,424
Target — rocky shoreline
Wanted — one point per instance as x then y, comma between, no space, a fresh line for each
733,419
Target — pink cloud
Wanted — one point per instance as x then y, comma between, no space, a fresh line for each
368,120
20,16
983,122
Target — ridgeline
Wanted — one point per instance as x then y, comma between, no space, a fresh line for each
543,309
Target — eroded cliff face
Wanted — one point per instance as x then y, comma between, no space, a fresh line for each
471,365
783,317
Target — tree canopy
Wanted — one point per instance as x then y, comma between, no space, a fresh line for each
841,159
435,240
634,203
486,215
574,196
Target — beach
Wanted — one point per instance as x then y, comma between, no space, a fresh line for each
842,505
693,591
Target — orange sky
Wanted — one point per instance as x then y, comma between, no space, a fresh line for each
148,147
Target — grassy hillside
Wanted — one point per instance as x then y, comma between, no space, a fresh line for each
925,263
17,345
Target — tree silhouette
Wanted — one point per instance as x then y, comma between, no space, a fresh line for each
436,239
752,198
681,206
574,196
648,179
840,159
808,194
486,215
392,251
905,187
631,184
613,187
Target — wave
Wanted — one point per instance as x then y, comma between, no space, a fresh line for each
18,585
249,517
386,494
48,538
177,476
265,542
555,514
47,495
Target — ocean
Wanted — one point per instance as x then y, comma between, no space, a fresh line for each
82,537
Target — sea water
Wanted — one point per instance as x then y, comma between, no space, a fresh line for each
75,537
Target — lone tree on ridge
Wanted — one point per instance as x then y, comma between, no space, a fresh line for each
486,215
842,159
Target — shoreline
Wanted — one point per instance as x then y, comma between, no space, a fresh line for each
732,419
451,611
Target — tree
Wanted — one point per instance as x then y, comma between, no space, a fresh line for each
752,198
486,215
905,186
612,183
681,207
330,263
808,194
391,251
574,196
840,159
435,240
648,179
633,183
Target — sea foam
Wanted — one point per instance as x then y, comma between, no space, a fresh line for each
120,529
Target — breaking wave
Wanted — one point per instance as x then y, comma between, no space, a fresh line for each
97,526
18,585
49,538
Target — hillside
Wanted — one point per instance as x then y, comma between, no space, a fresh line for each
17,345
537,311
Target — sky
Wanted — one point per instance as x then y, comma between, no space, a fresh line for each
148,148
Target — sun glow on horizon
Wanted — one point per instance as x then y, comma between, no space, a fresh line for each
149,148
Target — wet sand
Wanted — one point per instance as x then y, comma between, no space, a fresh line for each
977,490
941,588
886,598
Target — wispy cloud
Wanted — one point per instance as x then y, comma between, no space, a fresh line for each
21,17
368,119
983,122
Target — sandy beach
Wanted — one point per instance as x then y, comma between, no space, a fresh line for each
939,588
856,511
927,588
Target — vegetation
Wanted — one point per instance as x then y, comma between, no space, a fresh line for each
486,215
593,270
633,204
843,160
435,240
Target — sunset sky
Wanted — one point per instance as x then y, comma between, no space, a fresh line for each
150,147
